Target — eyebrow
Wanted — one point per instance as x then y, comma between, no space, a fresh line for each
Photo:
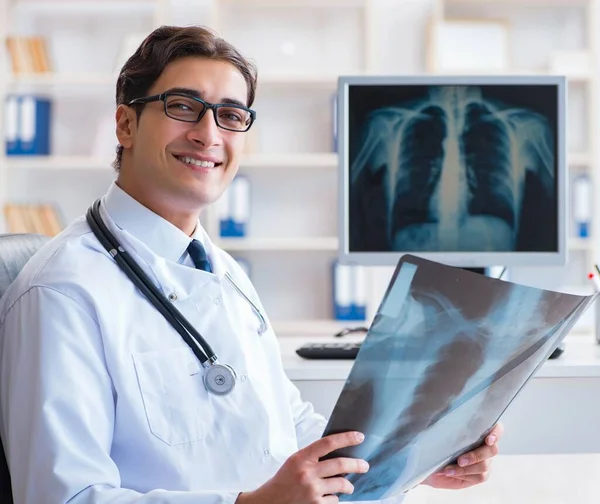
198,94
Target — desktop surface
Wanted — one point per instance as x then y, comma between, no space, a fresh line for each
581,359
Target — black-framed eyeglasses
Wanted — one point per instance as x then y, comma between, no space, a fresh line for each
188,108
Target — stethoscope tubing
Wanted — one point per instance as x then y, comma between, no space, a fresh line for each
191,336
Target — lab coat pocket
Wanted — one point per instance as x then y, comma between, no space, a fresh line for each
173,394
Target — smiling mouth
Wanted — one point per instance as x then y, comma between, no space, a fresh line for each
196,162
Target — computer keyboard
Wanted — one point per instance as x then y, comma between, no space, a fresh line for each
338,350
349,350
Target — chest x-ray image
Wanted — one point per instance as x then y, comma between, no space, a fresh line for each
447,168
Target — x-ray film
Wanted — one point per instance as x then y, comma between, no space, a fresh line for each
446,353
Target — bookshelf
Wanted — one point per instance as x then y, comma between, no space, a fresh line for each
545,37
302,48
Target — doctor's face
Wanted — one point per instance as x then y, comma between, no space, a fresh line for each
183,166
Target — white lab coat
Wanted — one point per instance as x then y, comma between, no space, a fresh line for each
102,400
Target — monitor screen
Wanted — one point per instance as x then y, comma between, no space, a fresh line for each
464,171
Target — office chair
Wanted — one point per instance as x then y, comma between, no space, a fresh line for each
15,251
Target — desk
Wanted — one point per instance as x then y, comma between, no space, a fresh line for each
558,411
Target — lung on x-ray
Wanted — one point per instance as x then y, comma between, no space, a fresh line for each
453,168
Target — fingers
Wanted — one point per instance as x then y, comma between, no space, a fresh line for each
336,485
480,454
330,443
473,479
341,465
471,470
495,435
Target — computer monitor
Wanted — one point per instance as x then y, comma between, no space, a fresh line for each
467,171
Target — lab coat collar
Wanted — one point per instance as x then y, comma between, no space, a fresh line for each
159,235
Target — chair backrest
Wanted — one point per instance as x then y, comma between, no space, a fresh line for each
15,251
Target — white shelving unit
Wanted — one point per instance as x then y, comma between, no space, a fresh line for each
288,74
24,177
581,82
300,46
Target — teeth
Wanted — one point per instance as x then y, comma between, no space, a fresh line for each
197,162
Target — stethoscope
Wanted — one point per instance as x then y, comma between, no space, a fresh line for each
218,378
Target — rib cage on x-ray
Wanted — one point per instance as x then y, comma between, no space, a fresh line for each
454,169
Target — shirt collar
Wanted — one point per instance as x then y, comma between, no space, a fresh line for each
158,234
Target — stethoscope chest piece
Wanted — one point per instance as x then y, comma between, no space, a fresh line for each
219,379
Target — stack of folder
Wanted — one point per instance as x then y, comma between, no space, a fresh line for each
39,219
28,55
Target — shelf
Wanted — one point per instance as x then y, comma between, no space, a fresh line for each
581,244
317,328
265,82
319,160
58,163
524,3
579,159
79,7
325,4
251,161
322,82
579,76
62,80
325,243
326,160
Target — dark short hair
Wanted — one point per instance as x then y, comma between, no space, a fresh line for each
165,45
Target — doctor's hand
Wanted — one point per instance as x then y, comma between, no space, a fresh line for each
472,468
303,479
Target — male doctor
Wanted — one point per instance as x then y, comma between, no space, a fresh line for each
102,400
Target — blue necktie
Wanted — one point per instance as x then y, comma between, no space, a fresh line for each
198,255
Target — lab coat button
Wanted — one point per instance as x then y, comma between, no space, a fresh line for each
173,297
267,453
217,300
243,377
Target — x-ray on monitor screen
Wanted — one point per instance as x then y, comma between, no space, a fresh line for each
465,171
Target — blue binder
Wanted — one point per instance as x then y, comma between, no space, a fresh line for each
235,209
582,205
347,300
28,125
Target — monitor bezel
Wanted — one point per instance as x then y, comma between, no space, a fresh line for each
460,259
